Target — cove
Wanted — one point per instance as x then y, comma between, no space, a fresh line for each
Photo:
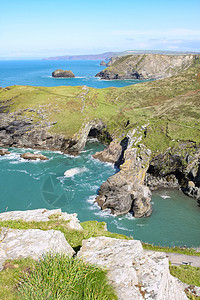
41,184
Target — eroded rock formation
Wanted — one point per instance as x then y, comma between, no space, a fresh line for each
125,191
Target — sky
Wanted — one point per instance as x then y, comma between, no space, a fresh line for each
42,28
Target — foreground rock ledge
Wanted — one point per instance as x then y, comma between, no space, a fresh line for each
42,215
133,273
18,244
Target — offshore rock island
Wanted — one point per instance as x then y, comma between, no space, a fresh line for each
63,74
151,129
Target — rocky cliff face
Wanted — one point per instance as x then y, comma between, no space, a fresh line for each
147,66
18,130
125,191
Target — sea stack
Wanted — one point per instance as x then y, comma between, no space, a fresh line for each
62,73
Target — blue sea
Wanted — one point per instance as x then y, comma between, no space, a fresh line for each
41,184
38,73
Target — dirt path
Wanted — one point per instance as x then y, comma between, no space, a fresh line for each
178,259
83,95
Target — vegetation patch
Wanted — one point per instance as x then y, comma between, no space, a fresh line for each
55,277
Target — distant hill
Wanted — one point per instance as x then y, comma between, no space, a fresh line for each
108,55
103,56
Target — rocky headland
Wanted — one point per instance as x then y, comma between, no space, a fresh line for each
63,74
147,66
151,131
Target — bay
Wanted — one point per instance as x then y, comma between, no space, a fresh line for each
41,184
38,73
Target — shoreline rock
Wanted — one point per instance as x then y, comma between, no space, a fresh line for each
4,152
59,73
33,156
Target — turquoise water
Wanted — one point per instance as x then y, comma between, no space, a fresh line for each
38,73
42,184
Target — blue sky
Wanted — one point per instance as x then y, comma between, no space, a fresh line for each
40,28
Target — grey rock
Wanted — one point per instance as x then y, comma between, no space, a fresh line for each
125,191
42,215
133,273
19,244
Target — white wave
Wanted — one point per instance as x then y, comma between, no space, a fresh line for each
74,171
120,226
106,213
165,196
91,199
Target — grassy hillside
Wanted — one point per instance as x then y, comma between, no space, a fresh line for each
169,106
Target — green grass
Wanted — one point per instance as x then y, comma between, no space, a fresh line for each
187,251
54,277
169,106
187,274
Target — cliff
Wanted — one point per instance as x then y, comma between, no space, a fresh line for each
147,66
158,118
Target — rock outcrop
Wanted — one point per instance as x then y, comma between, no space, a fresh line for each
176,167
15,244
147,66
125,191
134,273
42,215
4,152
33,156
63,74
103,63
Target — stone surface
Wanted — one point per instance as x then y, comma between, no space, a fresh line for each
147,66
62,73
42,215
33,156
110,154
18,244
125,191
133,273
4,152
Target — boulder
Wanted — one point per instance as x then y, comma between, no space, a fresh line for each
42,215
4,152
19,244
33,156
133,273
62,73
